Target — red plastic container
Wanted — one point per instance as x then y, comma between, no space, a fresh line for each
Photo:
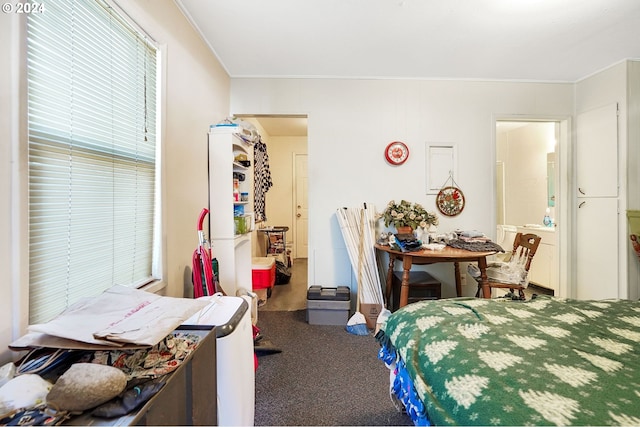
263,272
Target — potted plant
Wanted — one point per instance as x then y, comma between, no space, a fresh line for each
407,214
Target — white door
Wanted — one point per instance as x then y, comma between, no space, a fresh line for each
597,248
597,152
301,220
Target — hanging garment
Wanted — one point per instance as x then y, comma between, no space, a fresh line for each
262,176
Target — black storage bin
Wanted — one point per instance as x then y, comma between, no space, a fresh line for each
328,305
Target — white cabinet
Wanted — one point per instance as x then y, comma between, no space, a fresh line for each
544,267
597,250
230,233
597,152
597,216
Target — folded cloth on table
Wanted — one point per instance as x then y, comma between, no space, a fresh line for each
407,242
476,246
434,246
471,233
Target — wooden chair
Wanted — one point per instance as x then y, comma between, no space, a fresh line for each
524,248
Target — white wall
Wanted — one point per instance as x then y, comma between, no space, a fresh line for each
197,94
350,123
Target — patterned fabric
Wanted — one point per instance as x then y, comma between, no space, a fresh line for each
547,361
152,362
40,416
475,246
262,177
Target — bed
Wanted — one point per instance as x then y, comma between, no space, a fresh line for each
546,361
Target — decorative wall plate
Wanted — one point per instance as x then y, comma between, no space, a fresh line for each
450,201
396,153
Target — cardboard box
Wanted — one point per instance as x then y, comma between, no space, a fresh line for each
370,312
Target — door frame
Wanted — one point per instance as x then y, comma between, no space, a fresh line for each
294,203
258,116
565,195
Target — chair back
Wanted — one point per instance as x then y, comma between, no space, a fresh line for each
525,245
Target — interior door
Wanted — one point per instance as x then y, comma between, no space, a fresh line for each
597,248
300,207
597,152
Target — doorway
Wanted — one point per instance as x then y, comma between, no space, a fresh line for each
285,203
528,187
286,140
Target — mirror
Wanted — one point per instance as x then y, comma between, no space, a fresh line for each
551,178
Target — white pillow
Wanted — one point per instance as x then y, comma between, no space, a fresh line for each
24,391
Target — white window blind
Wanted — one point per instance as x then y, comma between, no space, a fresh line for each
92,154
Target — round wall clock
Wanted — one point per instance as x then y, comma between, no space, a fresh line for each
396,153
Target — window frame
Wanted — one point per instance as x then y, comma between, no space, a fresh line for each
156,282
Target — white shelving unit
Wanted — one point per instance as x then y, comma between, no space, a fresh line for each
230,246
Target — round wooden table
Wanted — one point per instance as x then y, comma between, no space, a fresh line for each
426,256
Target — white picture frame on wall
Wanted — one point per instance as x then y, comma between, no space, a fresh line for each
441,163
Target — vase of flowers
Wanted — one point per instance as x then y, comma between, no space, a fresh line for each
407,214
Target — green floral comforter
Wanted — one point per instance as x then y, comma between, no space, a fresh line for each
548,361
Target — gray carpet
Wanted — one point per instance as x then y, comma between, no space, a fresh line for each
322,376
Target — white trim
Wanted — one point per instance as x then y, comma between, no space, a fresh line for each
159,263
565,212
19,179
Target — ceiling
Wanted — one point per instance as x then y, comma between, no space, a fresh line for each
524,40
513,40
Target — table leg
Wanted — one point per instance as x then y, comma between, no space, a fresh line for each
407,261
456,267
389,284
482,265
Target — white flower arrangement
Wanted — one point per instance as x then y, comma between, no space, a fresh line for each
409,214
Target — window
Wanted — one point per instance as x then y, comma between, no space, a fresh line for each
92,154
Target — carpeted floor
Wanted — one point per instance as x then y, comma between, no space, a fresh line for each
322,376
